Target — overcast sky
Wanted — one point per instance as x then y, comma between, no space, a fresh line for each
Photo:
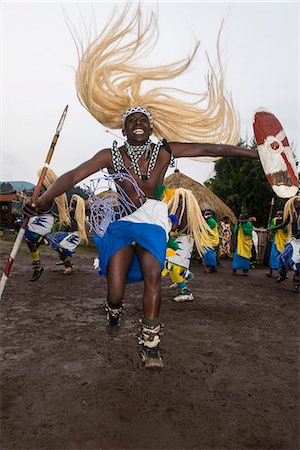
260,48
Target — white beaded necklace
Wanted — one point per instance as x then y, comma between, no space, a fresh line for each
135,152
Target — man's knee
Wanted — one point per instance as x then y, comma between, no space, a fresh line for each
152,276
115,296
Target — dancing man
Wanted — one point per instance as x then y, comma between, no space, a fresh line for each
211,242
108,81
40,225
191,225
278,242
225,234
243,252
66,242
289,259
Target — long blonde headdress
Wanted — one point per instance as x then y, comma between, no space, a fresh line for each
109,78
80,216
61,201
289,211
197,226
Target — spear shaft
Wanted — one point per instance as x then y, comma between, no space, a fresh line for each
35,195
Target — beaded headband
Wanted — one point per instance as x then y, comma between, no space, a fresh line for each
136,109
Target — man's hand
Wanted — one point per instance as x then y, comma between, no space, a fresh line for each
30,209
36,208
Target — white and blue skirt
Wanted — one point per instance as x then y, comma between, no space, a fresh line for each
290,257
39,226
147,227
63,241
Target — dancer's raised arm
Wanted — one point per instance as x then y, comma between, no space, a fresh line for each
66,181
181,150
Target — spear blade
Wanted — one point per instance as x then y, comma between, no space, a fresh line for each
62,119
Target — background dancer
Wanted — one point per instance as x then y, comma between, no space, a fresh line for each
278,242
211,242
66,242
225,233
243,252
40,225
191,225
109,86
289,259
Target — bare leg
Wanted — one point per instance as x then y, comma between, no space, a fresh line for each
151,326
117,271
151,271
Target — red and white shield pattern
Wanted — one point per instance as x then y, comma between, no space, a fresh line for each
275,154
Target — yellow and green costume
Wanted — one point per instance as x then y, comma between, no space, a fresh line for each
178,258
278,243
243,251
211,244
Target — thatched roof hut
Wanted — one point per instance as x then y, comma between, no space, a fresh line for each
206,198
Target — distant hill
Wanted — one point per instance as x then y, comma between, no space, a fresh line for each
19,185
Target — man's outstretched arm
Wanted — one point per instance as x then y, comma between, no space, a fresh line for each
66,181
181,150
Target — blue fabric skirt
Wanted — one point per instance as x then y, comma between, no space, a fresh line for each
122,233
31,236
209,258
273,262
239,262
286,259
63,241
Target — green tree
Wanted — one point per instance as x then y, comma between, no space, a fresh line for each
242,185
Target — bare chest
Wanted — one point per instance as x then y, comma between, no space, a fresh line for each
139,188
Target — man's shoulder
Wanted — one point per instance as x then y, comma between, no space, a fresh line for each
103,153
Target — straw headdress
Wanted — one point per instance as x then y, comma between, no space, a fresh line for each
110,75
290,212
80,216
61,201
197,226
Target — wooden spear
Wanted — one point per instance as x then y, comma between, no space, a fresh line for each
271,211
35,195
264,247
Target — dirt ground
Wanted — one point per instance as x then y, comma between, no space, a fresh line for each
231,376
